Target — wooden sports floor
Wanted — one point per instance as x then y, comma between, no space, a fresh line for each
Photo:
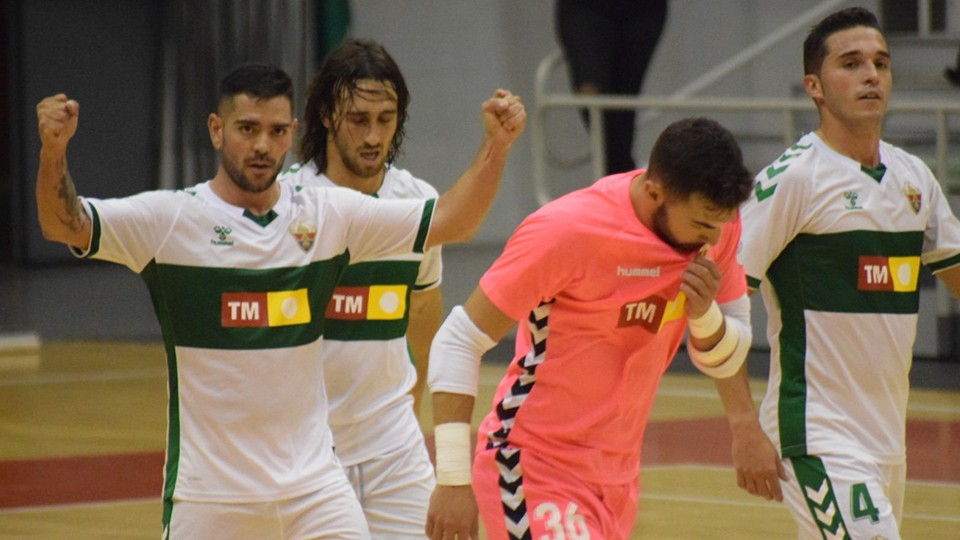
82,435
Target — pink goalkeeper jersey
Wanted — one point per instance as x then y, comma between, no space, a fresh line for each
601,316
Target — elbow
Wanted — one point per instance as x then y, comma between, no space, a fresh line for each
50,233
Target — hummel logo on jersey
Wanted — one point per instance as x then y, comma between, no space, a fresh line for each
376,302
851,197
260,309
898,274
651,313
223,234
638,272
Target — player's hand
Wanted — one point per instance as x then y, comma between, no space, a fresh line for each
758,465
700,283
57,119
452,514
504,117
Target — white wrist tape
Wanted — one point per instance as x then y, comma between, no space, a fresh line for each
720,351
726,357
455,355
707,324
453,453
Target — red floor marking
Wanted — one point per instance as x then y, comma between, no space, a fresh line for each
931,445
51,481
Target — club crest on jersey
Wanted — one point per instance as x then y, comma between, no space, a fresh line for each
651,313
913,197
304,234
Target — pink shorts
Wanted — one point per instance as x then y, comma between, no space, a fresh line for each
521,496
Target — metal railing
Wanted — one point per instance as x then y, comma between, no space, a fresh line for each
788,107
546,101
681,99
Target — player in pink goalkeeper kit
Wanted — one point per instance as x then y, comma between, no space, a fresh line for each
605,282
608,290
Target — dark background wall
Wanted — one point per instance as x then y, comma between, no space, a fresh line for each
103,54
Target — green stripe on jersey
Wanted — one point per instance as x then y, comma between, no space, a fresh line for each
173,434
360,277
271,308
944,264
425,221
820,272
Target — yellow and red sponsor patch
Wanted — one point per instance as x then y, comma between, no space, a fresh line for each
376,302
259,309
898,274
651,313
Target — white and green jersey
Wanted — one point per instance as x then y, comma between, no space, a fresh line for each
836,250
367,365
241,301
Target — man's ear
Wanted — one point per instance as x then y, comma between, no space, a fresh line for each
814,87
653,189
215,126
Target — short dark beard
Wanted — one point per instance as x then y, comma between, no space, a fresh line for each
661,230
240,180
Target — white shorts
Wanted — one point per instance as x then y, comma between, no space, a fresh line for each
394,491
331,512
828,495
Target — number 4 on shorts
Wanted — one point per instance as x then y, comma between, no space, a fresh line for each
861,504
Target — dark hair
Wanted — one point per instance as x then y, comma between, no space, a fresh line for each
352,62
815,45
260,81
698,155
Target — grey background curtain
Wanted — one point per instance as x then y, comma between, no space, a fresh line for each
202,41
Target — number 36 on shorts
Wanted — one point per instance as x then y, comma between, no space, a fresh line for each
561,525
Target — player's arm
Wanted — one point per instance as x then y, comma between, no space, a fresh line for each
719,337
951,278
755,458
426,314
719,340
59,211
465,335
461,209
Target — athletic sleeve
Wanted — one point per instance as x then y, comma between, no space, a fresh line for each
379,228
131,230
536,264
772,216
431,270
941,239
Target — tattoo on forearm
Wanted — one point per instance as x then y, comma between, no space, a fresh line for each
75,217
